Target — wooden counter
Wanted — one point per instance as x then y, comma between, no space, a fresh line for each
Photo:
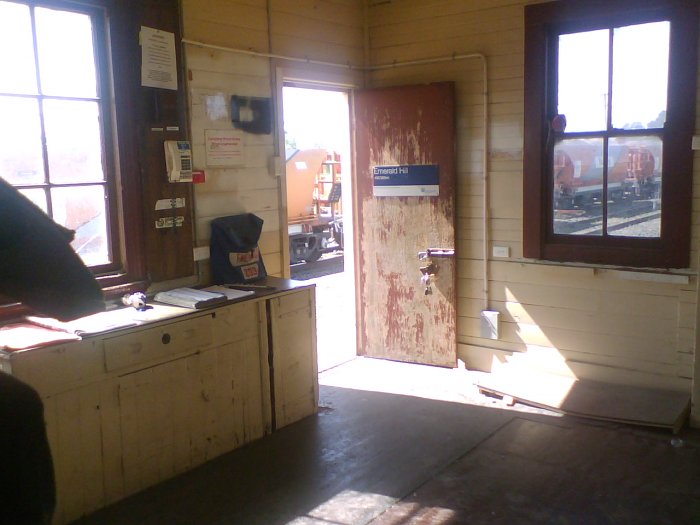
131,407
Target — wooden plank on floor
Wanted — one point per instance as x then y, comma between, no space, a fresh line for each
591,399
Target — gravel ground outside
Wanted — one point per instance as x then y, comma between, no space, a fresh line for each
328,264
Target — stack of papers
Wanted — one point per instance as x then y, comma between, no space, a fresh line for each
229,292
190,298
18,336
91,324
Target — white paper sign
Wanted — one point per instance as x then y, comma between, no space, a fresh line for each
158,61
224,147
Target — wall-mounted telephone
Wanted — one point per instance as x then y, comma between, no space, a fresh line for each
178,160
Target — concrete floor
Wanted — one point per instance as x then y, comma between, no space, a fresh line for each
379,454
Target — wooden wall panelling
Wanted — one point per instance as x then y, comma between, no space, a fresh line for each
168,250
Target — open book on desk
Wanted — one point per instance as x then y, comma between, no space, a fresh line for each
91,324
229,292
190,297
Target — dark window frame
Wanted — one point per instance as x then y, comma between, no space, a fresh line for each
543,24
104,100
116,29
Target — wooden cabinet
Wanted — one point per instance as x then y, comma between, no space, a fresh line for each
293,337
131,408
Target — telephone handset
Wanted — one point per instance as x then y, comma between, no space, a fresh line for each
178,160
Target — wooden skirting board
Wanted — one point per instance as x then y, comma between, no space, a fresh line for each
591,399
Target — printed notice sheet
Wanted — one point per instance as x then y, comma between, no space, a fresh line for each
224,147
158,61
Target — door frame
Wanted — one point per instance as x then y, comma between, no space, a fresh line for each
330,80
303,77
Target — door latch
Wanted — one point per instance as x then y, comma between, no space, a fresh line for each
430,269
427,273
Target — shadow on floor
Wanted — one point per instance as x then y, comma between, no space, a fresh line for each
376,446
575,473
400,460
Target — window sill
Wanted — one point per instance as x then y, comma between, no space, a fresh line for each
670,276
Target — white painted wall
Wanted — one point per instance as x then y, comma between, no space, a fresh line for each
596,324
593,323
329,30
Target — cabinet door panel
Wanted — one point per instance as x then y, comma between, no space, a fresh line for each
236,322
294,354
73,428
155,442
179,414
203,378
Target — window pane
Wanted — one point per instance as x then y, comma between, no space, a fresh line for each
66,54
640,76
73,141
583,80
20,142
578,186
38,197
83,209
634,187
16,50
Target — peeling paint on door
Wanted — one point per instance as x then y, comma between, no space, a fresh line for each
406,126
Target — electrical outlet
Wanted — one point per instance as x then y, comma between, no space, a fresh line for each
489,324
200,253
501,251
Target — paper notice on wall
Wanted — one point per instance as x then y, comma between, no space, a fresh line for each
167,204
224,147
170,222
158,59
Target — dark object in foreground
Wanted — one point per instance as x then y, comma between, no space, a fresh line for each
38,267
26,476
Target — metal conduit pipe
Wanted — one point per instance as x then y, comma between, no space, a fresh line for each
485,156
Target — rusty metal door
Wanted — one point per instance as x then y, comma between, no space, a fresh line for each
408,129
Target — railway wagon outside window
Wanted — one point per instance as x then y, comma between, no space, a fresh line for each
609,117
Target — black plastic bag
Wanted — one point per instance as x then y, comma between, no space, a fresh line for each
37,264
234,253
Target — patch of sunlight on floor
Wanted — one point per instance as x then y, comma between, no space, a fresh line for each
456,385
346,508
350,507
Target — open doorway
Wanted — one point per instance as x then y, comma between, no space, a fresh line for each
319,211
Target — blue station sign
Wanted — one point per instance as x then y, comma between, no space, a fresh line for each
410,180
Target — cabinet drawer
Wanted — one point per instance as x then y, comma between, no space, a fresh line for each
145,346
